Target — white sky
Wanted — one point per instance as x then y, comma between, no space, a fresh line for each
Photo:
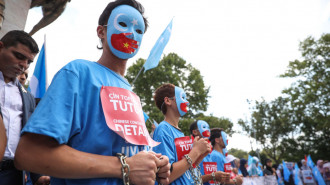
240,46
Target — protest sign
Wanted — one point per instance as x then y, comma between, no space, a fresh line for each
123,114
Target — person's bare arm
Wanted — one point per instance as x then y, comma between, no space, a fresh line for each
42,154
239,180
207,178
200,147
3,138
219,177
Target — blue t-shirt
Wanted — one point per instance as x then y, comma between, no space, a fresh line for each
206,159
220,159
71,113
166,133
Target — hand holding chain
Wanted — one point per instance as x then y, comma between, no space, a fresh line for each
124,168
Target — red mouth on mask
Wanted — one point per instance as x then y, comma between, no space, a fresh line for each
206,133
124,44
183,107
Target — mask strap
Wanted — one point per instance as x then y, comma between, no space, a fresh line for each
161,107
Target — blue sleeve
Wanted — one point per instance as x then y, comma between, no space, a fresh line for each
54,116
167,146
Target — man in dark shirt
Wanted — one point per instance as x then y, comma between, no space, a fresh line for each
268,170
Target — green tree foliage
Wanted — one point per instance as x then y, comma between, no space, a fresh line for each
238,153
297,123
214,122
309,97
174,69
269,125
171,69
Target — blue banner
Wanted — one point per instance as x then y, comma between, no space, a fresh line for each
286,172
157,50
38,82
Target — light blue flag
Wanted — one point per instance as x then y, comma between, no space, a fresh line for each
296,175
157,50
310,162
146,117
261,173
286,172
317,175
249,160
155,123
38,82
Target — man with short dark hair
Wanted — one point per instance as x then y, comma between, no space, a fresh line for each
17,51
79,144
201,129
23,77
219,141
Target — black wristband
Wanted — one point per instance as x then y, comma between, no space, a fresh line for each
171,169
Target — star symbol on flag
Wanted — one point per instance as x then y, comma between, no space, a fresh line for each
134,22
161,40
126,45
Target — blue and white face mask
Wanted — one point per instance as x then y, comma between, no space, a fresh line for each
203,128
181,100
224,138
125,30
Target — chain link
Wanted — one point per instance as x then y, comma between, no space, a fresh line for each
215,180
197,178
124,168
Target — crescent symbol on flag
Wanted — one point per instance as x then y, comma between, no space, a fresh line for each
115,23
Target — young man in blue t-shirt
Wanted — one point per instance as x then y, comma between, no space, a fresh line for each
68,136
218,140
181,151
201,129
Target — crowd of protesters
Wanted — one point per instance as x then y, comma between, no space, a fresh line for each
303,172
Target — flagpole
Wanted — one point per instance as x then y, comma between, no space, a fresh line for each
45,48
137,75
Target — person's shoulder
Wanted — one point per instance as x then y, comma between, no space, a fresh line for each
166,127
207,158
78,63
163,124
80,66
163,129
215,153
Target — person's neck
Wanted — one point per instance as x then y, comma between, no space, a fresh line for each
217,148
114,63
172,119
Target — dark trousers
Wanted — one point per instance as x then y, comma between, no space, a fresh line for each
11,177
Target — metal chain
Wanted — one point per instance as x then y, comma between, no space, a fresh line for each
124,168
214,180
197,178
